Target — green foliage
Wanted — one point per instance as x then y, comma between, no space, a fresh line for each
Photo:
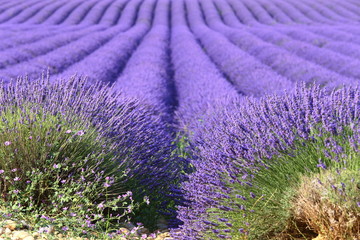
182,146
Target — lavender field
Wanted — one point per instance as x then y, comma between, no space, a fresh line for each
230,83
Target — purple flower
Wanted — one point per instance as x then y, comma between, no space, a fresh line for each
7,143
223,220
241,197
321,164
14,170
2,171
56,165
80,133
65,228
100,206
16,179
68,131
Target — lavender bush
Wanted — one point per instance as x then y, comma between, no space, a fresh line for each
82,156
252,156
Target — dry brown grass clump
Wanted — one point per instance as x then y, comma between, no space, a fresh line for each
329,204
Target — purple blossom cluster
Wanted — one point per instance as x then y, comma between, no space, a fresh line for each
231,143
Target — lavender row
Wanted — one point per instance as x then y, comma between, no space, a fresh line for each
198,81
269,13
61,58
75,12
350,7
147,74
347,33
26,52
8,4
61,13
33,36
96,13
341,64
111,15
320,12
259,13
240,13
238,16
249,12
280,60
31,11
110,58
294,13
275,12
199,85
327,12
128,10
342,47
15,10
345,9
310,13
53,13
247,74
79,13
